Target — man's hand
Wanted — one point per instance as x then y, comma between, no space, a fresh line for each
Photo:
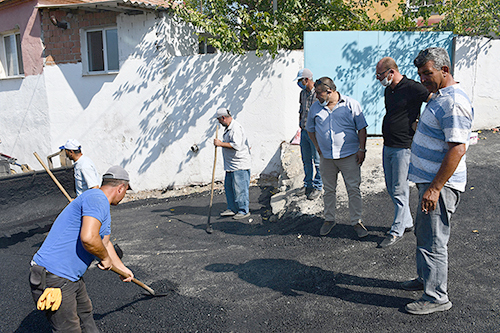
217,142
429,200
360,157
105,264
128,272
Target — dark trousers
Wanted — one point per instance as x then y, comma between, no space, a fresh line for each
75,312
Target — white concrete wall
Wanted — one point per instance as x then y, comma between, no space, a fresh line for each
24,121
162,102
477,70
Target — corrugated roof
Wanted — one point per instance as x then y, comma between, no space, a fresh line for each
146,4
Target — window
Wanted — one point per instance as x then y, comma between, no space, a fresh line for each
101,50
11,57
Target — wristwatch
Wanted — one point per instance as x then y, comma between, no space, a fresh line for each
362,150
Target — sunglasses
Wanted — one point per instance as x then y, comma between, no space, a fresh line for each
318,82
380,74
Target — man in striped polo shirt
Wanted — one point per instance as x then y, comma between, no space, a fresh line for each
438,168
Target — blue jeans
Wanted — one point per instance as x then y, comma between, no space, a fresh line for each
433,232
310,160
236,186
396,162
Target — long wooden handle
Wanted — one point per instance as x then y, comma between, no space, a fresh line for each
213,171
53,177
209,227
134,280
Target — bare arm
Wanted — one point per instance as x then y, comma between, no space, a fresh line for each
312,136
448,167
116,260
92,242
360,156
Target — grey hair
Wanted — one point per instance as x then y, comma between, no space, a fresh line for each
436,54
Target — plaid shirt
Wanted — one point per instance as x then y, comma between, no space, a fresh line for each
307,98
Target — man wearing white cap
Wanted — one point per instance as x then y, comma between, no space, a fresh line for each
310,157
86,176
80,234
237,163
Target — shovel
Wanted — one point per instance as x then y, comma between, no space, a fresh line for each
139,283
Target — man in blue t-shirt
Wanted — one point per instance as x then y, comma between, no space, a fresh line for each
80,234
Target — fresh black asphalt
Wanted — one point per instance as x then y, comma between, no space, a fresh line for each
277,277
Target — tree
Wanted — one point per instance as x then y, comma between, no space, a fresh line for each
240,25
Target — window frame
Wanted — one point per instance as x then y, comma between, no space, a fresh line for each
85,49
18,55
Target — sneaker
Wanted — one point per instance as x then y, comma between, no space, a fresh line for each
240,216
227,212
390,240
422,307
314,194
360,230
413,285
326,228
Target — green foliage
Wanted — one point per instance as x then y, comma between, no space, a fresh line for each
241,25
464,17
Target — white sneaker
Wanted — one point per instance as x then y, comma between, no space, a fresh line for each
227,212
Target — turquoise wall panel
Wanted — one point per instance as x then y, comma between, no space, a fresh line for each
350,57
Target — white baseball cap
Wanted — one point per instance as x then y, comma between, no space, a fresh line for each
303,74
71,144
222,112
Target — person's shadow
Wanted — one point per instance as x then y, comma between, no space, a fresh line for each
290,278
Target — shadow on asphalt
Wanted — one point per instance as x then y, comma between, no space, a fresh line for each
290,278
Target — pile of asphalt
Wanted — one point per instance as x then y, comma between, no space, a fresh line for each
259,276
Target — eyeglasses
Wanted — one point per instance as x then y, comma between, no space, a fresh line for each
380,74
318,82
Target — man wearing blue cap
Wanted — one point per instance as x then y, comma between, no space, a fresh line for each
86,176
310,157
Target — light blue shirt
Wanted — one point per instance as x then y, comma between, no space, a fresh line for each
86,175
337,130
238,157
447,118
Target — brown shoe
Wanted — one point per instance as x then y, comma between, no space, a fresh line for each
360,230
326,228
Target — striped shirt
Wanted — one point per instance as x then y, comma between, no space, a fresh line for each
447,118
307,98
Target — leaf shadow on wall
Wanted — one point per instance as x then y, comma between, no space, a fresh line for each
192,86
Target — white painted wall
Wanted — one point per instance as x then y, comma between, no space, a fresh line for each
24,120
162,102
477,70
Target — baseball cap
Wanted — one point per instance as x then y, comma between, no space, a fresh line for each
117,172
222,112
71,144
303,74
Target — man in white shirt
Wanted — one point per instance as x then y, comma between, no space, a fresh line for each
237,163
86,176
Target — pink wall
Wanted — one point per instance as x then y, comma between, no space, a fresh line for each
25,15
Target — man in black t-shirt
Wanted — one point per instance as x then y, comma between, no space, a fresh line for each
403,100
